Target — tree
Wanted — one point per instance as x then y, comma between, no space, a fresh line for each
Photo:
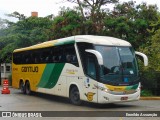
151,74
2,24
68,23
91,6
153,51
24,33
17,15
131,22
92,14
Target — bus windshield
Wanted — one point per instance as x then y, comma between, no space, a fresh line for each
119,67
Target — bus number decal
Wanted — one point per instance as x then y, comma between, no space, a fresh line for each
29,69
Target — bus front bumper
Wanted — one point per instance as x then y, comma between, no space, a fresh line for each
104,97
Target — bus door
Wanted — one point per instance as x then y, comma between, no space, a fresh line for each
90,83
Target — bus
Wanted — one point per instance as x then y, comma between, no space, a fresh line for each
91,68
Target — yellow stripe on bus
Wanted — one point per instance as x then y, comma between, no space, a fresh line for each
116,88
41,45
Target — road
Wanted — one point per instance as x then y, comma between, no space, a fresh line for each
40,102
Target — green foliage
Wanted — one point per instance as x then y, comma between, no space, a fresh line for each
153,52
131,22
6,53
24,33
17,15
68,23
146,93
151,74
2,24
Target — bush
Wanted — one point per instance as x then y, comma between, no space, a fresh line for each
150,81
146,93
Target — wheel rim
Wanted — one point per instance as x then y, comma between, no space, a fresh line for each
22,87
27,88
74,96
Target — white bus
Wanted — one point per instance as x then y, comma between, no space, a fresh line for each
89,68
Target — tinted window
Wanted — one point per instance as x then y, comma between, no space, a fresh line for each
89,61
56,54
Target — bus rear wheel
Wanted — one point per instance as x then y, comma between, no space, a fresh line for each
75,96
27,88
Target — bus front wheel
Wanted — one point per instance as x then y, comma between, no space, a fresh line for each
75,96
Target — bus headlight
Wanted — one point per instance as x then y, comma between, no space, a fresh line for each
106,90
103,89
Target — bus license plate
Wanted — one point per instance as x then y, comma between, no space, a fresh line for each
124,98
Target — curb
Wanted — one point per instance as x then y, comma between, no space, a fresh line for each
149,98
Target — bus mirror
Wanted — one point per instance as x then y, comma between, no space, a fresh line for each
97,54
145,58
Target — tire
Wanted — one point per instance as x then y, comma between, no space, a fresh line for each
27,88
22,87
75,96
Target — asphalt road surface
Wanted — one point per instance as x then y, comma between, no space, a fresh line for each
17,101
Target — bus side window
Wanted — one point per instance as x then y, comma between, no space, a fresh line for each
53,59
74,60
22,59
36,60
91,66
68,58
16,58
70,54
26,59
36,57
32,58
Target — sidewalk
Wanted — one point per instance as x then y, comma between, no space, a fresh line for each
150,98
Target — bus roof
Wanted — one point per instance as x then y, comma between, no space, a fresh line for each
101,40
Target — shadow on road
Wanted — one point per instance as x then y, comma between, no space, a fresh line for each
63,100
